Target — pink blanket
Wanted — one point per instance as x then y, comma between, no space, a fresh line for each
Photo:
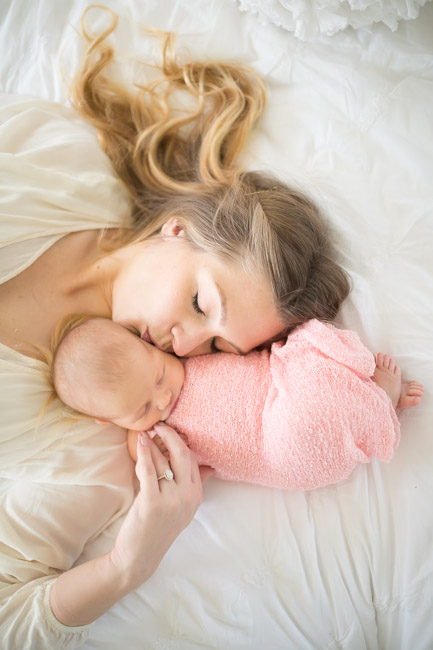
298,417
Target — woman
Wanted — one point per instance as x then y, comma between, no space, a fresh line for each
186,250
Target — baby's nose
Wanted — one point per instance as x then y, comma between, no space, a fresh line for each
163,399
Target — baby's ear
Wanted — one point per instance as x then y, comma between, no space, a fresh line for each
101,421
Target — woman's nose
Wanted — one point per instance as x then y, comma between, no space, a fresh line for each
190,341
163,399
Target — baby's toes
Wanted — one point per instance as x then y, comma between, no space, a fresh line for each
379,360
415,389
396,369
388,363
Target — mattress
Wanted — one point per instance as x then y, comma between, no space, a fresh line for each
350,120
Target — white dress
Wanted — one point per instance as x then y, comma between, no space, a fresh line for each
64,482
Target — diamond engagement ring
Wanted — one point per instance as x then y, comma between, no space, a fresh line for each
168,474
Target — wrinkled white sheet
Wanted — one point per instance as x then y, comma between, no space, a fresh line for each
349,119
310,17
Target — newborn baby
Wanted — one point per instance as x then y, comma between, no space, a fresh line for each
299,416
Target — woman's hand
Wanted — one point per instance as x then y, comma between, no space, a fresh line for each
132,439
161,510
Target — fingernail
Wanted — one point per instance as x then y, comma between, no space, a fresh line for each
142,439
151,433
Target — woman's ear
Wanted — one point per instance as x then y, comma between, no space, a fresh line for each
173,228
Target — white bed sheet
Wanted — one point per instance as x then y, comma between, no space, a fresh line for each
350,119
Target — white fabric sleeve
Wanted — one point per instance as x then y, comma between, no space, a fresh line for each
44,529
61,485
54,179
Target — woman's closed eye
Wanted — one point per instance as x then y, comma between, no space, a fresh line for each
198,310
197,306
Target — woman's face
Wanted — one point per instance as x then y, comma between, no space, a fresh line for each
188,302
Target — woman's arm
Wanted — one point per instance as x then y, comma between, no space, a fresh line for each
161,510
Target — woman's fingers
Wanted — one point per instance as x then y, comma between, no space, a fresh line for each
159,461
161,509
181,458
205,472
160,444
145,467
186,486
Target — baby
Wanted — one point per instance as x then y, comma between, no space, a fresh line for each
102,370
300,416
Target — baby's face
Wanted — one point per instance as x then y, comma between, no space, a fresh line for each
148,391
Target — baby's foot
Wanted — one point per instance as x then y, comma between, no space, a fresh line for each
411,393
387,375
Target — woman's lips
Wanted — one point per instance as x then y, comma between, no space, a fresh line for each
167,347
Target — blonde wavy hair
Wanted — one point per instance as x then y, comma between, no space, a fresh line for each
184,164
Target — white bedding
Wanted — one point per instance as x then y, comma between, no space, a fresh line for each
310,17
350,119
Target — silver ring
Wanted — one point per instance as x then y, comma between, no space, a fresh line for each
168,474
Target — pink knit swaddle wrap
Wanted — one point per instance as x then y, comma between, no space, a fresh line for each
298,417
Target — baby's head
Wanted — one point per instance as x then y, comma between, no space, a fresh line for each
103,370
